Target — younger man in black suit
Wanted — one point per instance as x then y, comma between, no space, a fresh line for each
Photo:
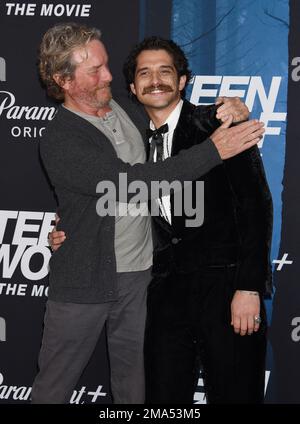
209,281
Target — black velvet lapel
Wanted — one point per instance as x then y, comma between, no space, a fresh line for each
182,138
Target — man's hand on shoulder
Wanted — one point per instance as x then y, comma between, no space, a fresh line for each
232,106
230,141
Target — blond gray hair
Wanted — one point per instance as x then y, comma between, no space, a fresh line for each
56,53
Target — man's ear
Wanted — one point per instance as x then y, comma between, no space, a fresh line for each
182,81
61,81
132,87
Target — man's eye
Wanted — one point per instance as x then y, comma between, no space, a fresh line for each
165,72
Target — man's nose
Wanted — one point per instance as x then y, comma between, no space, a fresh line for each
106,74
155,78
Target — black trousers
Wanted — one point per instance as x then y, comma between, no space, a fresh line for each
188,326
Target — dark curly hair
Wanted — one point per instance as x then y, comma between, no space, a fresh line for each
157,43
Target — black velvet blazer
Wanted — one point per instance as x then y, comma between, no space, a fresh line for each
238,214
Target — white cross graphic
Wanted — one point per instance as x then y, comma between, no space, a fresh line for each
97,393
282,262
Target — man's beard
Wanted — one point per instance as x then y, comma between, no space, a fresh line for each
93,100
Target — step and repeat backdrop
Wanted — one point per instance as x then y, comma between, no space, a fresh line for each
249,49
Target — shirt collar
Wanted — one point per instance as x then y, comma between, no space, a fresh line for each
172,119
93,118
